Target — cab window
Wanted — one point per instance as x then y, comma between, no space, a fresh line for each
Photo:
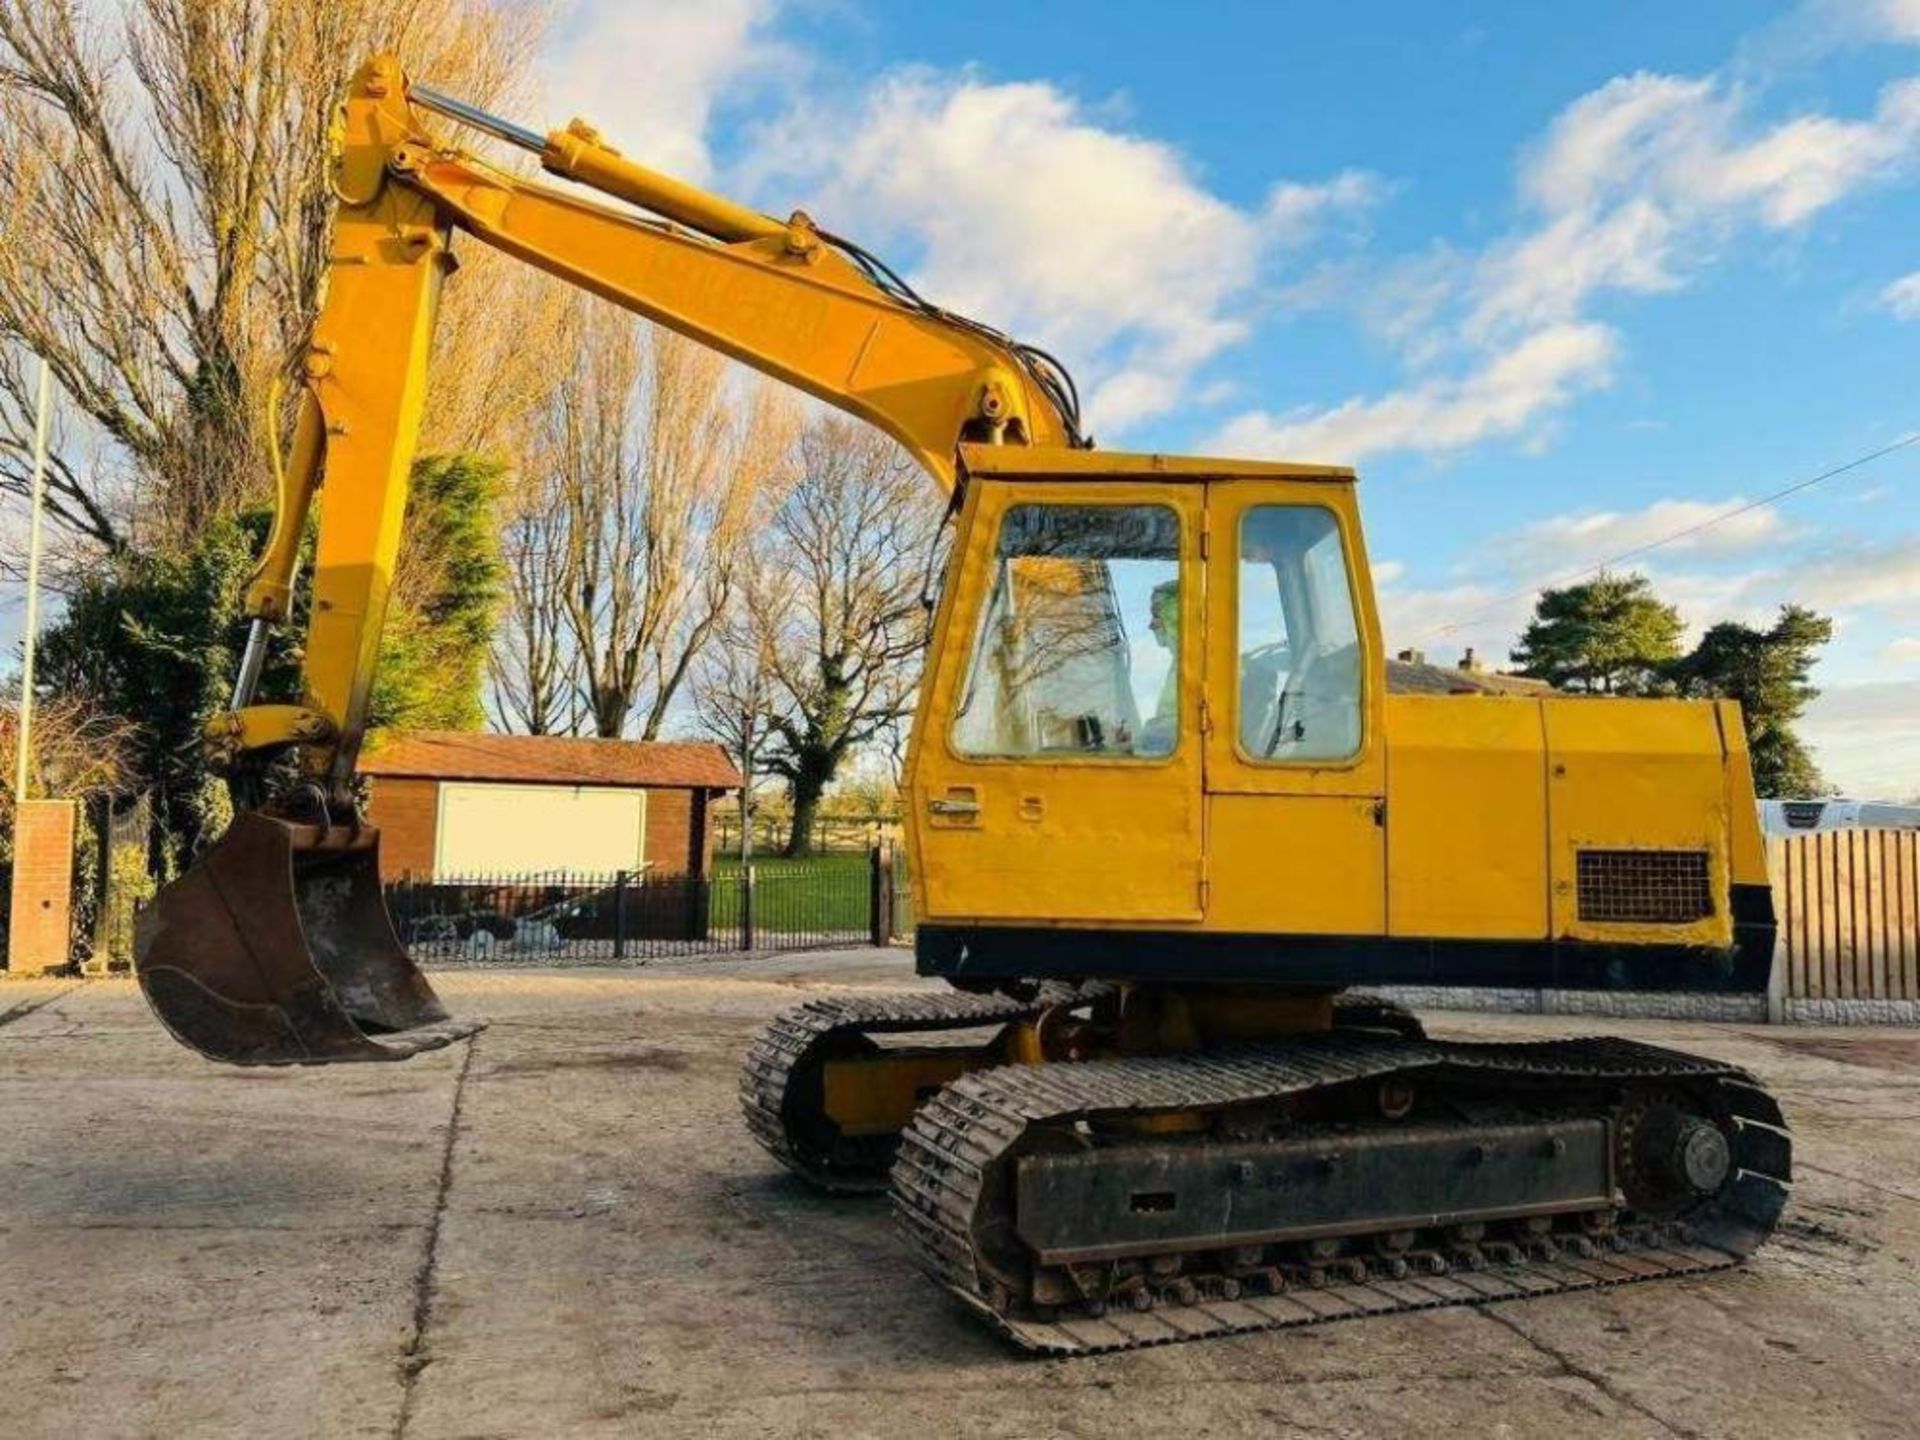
1077,652
1299,643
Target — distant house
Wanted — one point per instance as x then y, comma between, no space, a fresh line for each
1409,673
453,805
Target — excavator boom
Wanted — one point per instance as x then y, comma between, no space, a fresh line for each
275,947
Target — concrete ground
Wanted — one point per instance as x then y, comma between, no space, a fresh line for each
562,1230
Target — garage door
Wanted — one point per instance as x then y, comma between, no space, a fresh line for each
527,829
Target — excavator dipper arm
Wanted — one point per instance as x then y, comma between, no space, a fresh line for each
776,295
275,947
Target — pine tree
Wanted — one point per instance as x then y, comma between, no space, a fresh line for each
1767,672
433,652
1610,635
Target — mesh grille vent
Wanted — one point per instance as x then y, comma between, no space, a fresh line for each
1644,887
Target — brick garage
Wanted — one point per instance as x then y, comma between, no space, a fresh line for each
458,804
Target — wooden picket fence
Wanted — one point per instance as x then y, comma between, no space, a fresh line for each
1849,908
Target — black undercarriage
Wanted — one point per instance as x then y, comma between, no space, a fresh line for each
1152,1197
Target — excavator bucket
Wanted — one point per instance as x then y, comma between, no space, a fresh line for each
276,948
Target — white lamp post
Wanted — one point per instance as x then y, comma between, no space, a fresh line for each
42,406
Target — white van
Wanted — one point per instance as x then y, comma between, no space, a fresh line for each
1798,817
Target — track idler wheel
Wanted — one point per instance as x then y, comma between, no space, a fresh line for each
1672,1156
275,948
1683,1154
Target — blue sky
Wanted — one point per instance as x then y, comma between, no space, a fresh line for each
1560,280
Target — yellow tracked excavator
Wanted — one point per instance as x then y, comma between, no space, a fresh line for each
1167,807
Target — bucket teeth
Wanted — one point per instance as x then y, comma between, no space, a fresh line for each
275,948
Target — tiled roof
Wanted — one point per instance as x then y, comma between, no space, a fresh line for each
1405,677
549,759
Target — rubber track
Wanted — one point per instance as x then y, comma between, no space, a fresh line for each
959,1137
777,1053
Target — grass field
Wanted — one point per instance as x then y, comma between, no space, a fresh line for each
818,893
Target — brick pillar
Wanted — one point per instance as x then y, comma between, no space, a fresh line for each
40,922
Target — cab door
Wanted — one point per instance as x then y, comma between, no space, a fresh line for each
1057,761
1295,753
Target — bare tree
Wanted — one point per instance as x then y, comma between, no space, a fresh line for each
499,348
736,690
659,461
856,536
532,661
164,211
78,751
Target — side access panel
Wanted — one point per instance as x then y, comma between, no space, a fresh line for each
1637,802
1296,865
1466,818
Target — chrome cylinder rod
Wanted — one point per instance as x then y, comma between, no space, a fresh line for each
478,119
251,662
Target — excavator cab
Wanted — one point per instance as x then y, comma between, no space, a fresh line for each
275,948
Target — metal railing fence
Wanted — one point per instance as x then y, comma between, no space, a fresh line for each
630,916
832,834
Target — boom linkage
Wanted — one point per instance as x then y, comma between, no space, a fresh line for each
783,297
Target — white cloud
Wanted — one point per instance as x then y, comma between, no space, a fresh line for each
1029,213
1902,297
1295,212
1017,203
1806,165
1904,651
1858,21
1707,597
1896,19
1595,535
1020,204
1883,574
1443,621
1623,137
1814,29
1503,397
649,73
1866,739
1546,277
1629,190
1633,180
